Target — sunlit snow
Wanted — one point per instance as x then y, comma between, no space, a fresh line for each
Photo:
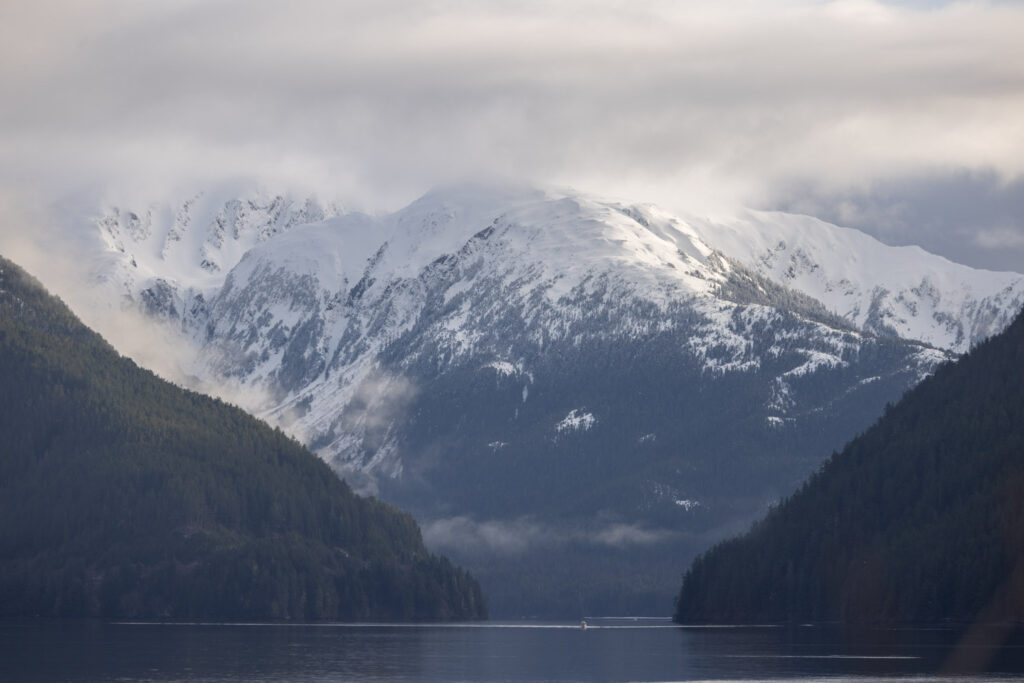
576,421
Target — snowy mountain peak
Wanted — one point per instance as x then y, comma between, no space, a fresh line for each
195,243
898,291
304,306
552,242
561,239
491,353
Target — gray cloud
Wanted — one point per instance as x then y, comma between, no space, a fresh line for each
1001,239
515,536
505,537
158,347
970,217
694,105
378,401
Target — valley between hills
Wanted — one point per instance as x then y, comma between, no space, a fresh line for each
573,397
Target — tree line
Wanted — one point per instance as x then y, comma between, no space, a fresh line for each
124,496
919,519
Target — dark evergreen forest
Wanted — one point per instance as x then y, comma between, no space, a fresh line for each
124,496
919,519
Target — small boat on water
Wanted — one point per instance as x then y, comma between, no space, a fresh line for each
583,624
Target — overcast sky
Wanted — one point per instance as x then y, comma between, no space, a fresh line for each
905,119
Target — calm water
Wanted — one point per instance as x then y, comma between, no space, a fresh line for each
610,650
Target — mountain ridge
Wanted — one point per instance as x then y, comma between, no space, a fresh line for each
965,305
431,354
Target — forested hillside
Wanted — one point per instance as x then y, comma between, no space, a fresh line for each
122,495
920,519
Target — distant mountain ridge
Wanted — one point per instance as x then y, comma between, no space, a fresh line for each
190,249
170,256
899,291
279,313
512,356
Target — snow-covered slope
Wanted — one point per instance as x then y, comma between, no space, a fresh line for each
163,255
291,298
901,291
278,294
306,314
501,354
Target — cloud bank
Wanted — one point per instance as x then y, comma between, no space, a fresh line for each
698,105
526,534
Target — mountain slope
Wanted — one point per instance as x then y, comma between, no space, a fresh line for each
898,291
919,519
472,289
539,377
123,496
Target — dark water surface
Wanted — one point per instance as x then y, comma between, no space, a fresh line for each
609,650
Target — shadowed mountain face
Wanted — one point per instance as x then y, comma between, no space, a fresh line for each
549,379
124,496
920,519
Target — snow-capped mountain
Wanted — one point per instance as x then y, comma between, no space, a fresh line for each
898,291
163,256
499,355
